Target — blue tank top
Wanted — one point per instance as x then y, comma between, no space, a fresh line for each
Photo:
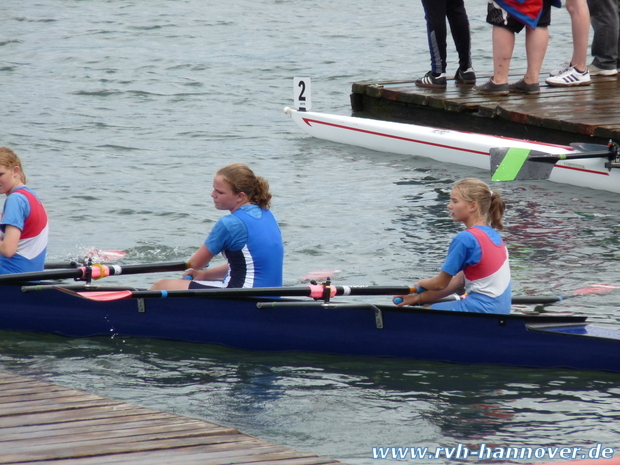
260,261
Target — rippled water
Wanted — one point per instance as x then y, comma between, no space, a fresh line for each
123,110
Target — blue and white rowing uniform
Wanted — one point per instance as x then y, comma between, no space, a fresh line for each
482,256
251,241
24,210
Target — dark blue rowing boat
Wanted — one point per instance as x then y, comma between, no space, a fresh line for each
236,319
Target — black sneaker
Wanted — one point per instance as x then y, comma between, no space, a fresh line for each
490,88
431,81
524,88
465,78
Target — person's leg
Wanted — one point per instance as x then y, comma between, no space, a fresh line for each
604,18
618,59
435,11
580,23
503,46
459,26
536,41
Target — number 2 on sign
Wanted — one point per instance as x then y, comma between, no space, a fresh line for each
302,92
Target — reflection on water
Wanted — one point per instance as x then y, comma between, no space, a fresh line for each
337,406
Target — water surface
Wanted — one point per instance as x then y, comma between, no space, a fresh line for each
123,110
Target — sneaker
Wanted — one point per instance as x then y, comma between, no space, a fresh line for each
563,67
467,77
431,81
570,77
490,88
596,71
523,87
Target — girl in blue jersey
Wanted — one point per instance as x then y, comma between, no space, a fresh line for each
249,238
23,222
477,258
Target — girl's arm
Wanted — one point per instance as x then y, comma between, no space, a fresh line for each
440,286
8,246
199,260
210,274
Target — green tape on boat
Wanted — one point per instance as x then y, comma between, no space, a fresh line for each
512,163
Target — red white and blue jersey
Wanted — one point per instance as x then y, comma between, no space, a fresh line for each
482,256
24,210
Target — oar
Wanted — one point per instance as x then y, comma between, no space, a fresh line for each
516,299
96,271
316,291
511,163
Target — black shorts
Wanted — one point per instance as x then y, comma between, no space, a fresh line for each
500,17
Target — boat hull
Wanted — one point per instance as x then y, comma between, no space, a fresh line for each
462,148
518,340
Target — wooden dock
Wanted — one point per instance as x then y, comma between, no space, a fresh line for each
44,423
557,115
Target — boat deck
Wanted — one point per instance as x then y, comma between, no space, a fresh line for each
556,115
41,422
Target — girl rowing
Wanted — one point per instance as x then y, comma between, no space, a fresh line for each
249,238
23,224
477,258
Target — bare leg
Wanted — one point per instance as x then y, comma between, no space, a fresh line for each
503,46
169,284
580,22
536,42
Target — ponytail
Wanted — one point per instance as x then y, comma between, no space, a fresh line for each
242,179
489,202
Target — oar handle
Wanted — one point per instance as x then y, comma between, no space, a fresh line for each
415,290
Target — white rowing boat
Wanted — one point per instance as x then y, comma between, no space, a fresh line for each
588,165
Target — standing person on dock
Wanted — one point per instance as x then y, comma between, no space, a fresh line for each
508,18
606,40
249,238
575,72
23,224
477,258
436,12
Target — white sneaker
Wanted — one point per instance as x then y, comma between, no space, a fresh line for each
570,77
596,71
563,67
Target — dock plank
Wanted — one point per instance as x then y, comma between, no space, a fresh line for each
556,115
41,423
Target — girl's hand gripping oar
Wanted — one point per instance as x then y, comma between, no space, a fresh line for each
401,301
533,299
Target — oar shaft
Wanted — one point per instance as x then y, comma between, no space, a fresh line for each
96,271
316,291
62,265
150,268
552,158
